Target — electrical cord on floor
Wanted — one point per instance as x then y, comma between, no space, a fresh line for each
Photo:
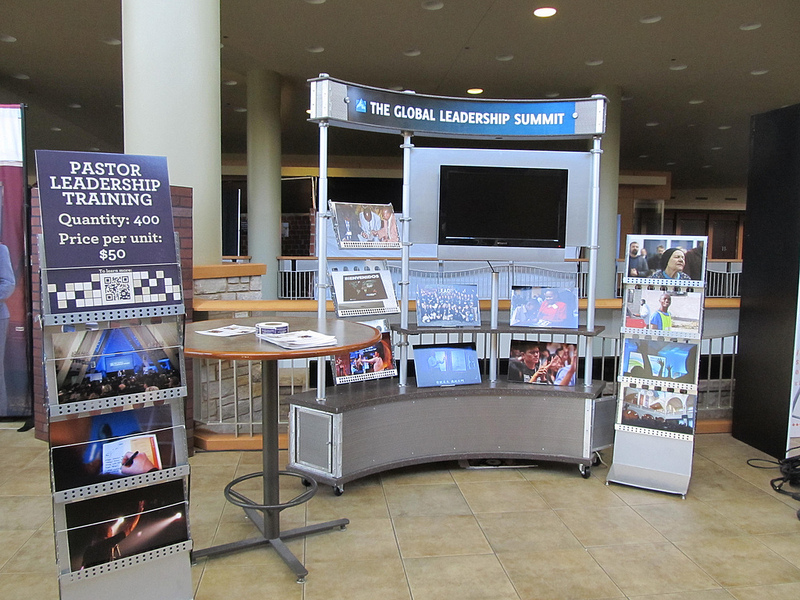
790,473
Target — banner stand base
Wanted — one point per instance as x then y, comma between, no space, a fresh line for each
651,462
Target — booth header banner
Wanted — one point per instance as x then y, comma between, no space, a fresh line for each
361,107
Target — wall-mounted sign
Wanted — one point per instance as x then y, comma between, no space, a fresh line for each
388,111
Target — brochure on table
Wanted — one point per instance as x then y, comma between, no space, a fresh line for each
113,354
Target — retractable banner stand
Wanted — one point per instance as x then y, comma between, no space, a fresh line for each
112,311
661,330
15,321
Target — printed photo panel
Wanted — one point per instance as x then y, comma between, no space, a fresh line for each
671,259
544,307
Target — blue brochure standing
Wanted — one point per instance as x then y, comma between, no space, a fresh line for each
112,313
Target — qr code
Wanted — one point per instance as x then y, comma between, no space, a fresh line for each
117,288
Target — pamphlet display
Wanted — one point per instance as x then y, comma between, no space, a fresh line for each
357,293
115,376
372,362
438,365
659,362
544,307
448,305
365,225
543,363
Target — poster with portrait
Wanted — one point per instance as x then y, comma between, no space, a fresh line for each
365,225
653,360
107,528
448,305
550,307
666,260
657,409
373,362
546,363
663,311
126,364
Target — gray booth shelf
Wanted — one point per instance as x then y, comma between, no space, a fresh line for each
374,426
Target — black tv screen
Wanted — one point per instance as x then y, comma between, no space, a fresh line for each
502,206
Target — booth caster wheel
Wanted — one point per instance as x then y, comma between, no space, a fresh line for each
305,482
338,490
586,472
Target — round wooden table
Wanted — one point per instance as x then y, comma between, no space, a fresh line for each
266,516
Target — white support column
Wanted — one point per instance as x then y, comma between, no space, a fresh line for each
171,99
264,174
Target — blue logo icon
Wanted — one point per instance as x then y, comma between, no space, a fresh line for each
361,105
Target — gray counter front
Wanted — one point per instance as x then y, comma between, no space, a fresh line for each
373,426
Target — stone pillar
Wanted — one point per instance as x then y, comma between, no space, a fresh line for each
171,101
264,174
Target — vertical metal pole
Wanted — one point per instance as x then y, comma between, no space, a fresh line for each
269,428
493,336
405,257
593,235
322,248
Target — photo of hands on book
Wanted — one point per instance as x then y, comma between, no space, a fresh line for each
548,363
107,528
104,363
97,448
365,225
544,307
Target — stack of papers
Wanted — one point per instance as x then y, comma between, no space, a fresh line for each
229,330
296,340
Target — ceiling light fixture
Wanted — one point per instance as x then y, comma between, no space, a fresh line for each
724,127
74,105
759,71
7,38
716,148
544,12
652,124
650,19
21,76
697,101
475,91
678,67
595,62
504,57
315,49
552,94
432,4
315,1
749,26
644,156
230,82
412,52
240,109
112,42
55,129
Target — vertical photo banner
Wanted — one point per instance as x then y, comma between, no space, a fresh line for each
15,321
108,232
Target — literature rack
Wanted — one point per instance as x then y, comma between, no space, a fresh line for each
659,362
115,379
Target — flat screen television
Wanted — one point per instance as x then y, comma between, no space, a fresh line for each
491,206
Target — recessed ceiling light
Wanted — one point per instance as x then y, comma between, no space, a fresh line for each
315,49
412,52
55,129
94,149
706,166
544,12
432,4
21,76
678,67
716,148
696,101
644,156
74,105
7,38
230,82
671,163
241,109
650,19
308,111
475,91
552,94
723,127
749,26
112,42
504,57
652,124
315,1
595,62
626,98
759,72
397,88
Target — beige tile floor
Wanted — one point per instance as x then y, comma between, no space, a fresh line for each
438,532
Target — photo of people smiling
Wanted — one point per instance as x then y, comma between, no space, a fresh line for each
676,259
663,312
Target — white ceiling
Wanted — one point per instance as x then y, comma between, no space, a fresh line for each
60,47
